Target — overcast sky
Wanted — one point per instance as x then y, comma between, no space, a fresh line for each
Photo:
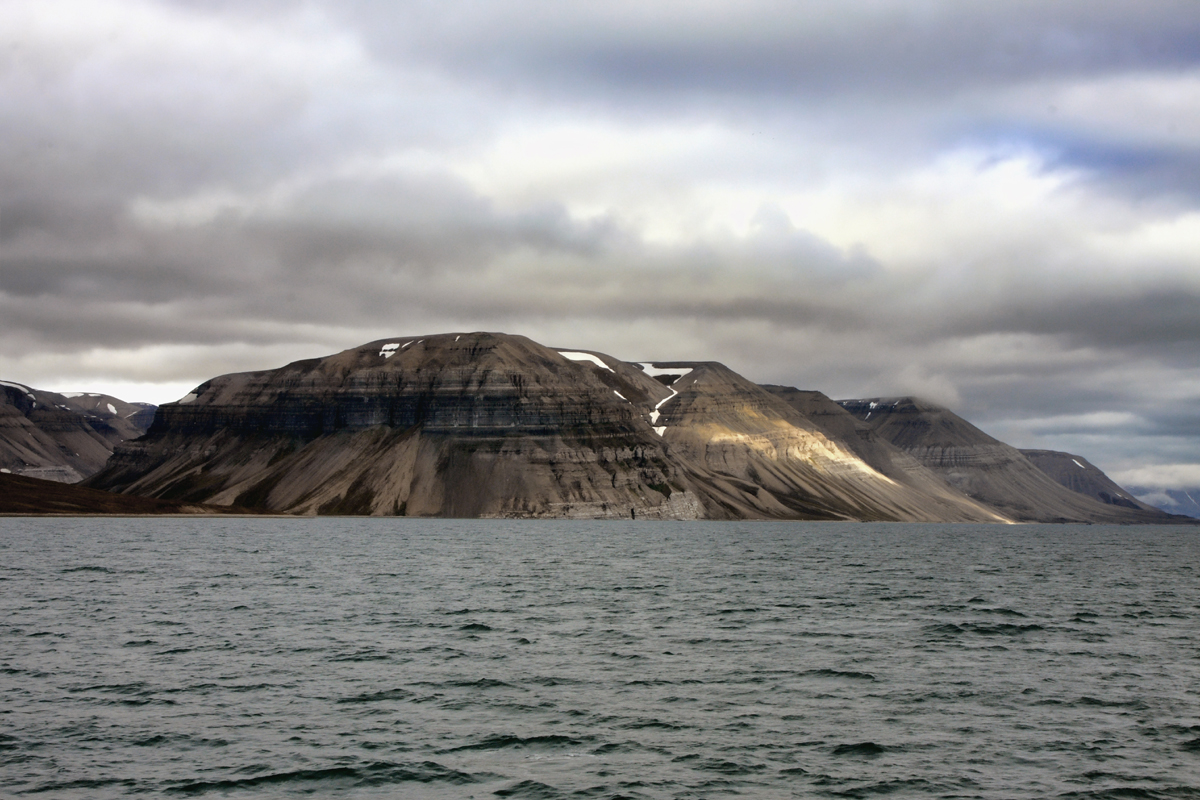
995,205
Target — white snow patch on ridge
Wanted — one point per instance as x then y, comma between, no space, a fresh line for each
576,356
1081,466
22,387
111,409
652,370
389,349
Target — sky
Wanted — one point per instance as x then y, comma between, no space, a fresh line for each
995,206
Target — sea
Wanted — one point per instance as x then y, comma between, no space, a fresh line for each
402,658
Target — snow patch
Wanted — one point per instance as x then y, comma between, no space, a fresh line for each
389,349
872,406
28,392
618,394
576,356
1081,466
456,338
6,471
653,371
68,394
112,410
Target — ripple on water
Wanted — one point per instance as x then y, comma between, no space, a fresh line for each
453,658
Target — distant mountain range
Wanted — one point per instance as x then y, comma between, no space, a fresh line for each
63,437
495,425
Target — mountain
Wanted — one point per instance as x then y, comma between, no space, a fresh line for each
997,474
453,425
63,437
493,425
1080,475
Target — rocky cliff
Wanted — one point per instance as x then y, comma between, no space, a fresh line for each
988,470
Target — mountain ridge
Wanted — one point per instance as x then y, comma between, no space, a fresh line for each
496,425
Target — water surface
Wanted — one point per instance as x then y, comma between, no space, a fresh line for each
449,659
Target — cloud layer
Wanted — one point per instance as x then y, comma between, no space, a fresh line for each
993,205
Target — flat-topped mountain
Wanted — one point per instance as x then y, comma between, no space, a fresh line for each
447,425
63,437
1023,488
494,425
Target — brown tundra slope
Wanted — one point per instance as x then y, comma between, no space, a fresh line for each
494,425
24,496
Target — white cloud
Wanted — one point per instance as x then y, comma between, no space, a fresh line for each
1160,107
1161,476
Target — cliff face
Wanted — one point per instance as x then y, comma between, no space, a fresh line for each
984,468
486,425
63,437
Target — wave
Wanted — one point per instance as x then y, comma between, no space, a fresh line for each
503,742
838,673
859,749
375,774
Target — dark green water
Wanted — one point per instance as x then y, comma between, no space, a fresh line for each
451,659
